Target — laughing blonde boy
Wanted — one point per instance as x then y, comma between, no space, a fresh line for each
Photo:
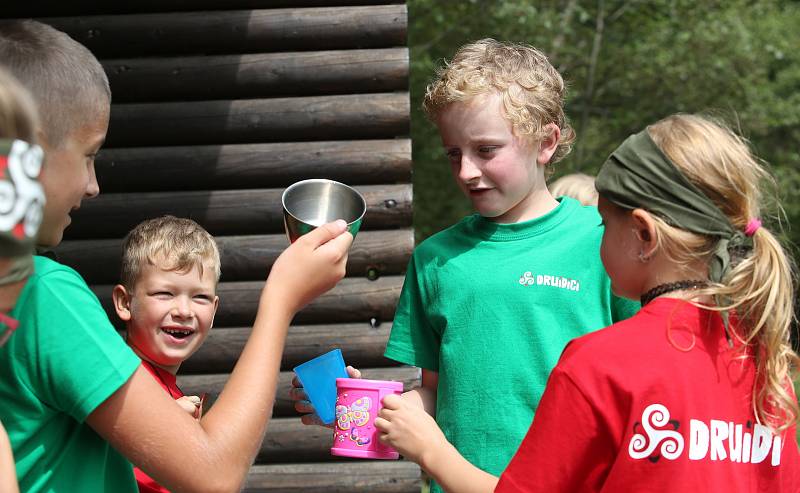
167,299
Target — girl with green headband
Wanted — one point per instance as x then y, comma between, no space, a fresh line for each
693,393
21,202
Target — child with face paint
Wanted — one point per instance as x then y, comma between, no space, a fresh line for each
694,392
21,203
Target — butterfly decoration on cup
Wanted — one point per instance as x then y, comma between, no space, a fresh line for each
360,440
356,414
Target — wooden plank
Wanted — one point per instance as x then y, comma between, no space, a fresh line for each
224,212
213,384
288,440
248,258
41,8
238,31
346,117
149,169
336,477
362,345
258,75
353,300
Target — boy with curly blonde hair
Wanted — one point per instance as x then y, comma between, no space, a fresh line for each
489,303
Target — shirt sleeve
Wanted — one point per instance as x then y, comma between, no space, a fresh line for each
80,360
413,341
567,449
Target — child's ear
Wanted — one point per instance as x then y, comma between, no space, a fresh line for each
122,302
216,305
549,144
645,229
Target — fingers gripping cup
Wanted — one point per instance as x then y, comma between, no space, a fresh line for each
357,405
318,377
308,204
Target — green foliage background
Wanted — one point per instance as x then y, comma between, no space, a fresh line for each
628,64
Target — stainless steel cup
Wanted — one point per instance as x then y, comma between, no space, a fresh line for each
311,203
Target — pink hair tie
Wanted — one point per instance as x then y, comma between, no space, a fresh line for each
752,227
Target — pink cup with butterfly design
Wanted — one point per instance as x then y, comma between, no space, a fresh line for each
357,405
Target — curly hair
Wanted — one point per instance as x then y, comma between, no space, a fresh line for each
532,90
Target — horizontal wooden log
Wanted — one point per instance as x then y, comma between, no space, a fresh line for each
288,440
258,75
150,169
238,31
248,258
352,300
362,345
336,477
347,117
213,384
42,8
224,212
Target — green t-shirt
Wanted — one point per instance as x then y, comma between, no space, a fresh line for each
63,361
490,307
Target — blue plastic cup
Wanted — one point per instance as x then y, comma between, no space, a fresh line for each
318,377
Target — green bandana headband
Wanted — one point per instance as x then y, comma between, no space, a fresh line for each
639,175
21,206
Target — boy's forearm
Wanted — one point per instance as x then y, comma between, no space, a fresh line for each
238,420
454,473
422,397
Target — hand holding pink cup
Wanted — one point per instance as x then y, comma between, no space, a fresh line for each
357,405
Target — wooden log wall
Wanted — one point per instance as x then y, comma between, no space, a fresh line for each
218,105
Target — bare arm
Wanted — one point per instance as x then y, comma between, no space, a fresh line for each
8,473
215,453
407,424
425,395
454,473
408,428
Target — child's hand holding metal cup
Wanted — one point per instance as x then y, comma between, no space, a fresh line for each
311,203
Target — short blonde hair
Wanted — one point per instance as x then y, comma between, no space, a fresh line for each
67,82
579,186
759,286
532,90
18,117
173,243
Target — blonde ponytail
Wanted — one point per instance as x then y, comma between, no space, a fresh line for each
759,288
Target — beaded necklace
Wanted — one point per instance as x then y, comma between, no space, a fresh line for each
670,287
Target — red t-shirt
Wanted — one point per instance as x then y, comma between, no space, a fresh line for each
657,403
168,382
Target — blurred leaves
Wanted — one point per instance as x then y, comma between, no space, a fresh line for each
736,59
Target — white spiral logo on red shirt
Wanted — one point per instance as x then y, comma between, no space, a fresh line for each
656,416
